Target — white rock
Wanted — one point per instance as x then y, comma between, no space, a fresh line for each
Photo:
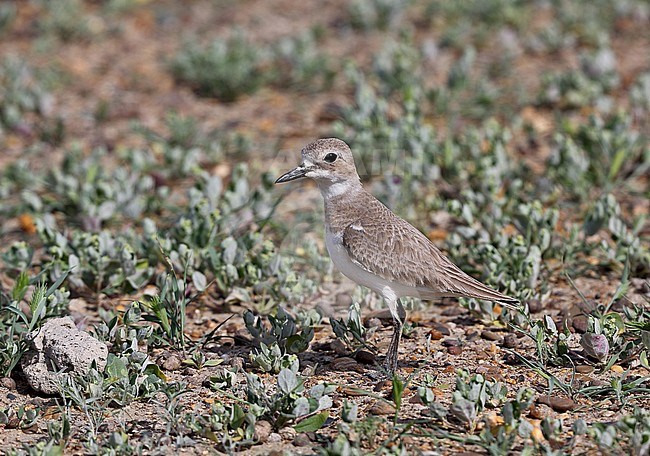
59,348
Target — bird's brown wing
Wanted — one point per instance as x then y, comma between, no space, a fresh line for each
398,252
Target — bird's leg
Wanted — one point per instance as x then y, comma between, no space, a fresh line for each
399,315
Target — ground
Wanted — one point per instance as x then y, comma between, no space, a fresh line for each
492,107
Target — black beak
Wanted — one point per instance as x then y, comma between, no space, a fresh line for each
295,173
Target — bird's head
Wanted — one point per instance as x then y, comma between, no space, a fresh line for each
328,161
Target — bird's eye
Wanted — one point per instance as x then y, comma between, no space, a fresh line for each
331,157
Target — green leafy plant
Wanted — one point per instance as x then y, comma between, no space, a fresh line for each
351,330
473,394
298,63
283,331
23,92
45,302
376,14
290,402
225,69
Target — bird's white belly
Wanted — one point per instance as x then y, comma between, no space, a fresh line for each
350,269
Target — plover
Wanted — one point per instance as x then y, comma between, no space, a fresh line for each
374,247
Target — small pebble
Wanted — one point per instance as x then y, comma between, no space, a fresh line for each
452,311
509,341
238,363
274,437
584,369
435,334
539,411
171,363
343,300
381,385
495,376
444,329
287,433
345,364
338,347
382,408
302,440
365,357
449,342
383,315
511,360
454,350
579,323
534,305
8,382
490,335
263,431
345,391
373,323
640,285
557,403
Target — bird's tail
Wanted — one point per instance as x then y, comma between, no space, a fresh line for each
458,284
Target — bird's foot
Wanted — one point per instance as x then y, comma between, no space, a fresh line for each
389,366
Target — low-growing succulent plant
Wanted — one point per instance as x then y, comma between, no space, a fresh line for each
596,78
22,92
67,20
44,302
290,402
351,330
283,331
228,425
224,69
473,394
272,358
376,14
298,62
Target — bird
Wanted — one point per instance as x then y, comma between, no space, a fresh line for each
376,248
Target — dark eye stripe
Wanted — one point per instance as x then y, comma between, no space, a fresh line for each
331,157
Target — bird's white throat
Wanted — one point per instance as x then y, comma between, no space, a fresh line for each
333,189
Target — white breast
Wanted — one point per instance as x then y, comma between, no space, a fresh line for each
353,271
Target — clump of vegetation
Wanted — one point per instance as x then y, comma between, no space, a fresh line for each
376,14
67,20
228,69
225,69
22,92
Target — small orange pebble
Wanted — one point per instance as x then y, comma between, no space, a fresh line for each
211,324
437,234
121,307
52,413
536,434
509,230
617,369
438,392
26,223
494,421
267,125
222,170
